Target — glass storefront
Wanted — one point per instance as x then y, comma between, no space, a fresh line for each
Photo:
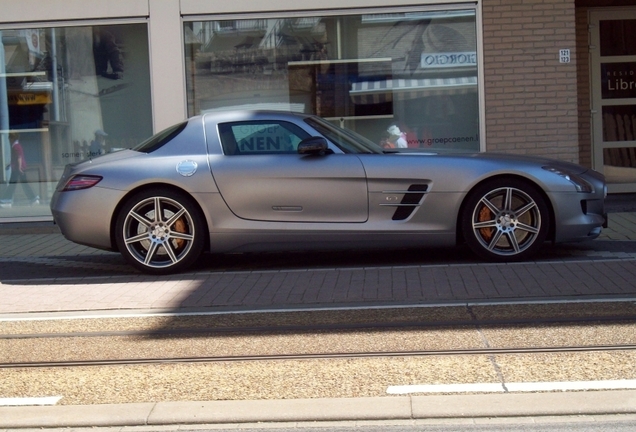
401,79
615,103
67,94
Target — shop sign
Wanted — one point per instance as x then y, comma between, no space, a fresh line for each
449,59
29,98
618,80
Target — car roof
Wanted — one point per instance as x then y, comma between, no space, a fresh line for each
245,115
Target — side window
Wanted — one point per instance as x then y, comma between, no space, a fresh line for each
260,137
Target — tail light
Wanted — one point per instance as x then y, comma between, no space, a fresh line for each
78,182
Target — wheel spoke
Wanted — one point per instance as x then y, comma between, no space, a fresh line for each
181,236
152,250
495,239
167,246
485,224
512,240
137,238
157,205
175,217
493,208
141,219
528,228
525,209
507,204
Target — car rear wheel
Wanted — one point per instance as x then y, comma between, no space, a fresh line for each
160,232
505,220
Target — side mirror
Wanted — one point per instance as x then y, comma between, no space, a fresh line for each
313,146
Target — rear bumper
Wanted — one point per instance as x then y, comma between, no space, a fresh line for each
84,216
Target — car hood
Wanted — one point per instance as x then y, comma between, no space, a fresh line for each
538,160
502,157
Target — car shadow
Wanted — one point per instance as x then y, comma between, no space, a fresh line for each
112,264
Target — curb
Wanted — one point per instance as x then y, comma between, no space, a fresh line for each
317,410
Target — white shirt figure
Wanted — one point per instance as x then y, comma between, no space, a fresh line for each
397,137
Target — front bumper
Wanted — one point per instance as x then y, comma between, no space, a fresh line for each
578,216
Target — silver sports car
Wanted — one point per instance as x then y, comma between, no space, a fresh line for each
265,181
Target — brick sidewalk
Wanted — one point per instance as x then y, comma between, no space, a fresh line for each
61,276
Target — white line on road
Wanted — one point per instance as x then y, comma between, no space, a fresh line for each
514,387
171,312
50,400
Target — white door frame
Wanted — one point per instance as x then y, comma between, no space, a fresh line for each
598,142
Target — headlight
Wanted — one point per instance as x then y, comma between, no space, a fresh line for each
579,182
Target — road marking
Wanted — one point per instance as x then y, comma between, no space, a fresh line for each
170,312
447,388
514,387
50,400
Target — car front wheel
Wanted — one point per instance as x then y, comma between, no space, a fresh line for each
505,220
160,232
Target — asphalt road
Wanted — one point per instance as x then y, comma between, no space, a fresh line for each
40,273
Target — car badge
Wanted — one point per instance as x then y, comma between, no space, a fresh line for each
187,168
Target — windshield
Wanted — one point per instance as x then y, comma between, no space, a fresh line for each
346,140
158,140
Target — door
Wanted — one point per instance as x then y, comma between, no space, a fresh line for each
262,177
613,63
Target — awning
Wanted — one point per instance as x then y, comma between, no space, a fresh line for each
373,92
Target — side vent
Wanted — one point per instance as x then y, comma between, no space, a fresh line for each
410,201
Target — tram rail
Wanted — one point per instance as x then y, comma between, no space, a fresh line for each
263,326
323,356
97,359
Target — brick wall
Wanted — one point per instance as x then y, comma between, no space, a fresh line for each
530,97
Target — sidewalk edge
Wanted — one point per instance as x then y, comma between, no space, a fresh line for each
310,410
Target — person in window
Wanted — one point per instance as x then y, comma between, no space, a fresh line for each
18,167
97,146
396,138
106,52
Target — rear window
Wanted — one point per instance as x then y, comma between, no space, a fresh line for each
157,141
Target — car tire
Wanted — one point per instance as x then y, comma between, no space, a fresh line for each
505,220
160,232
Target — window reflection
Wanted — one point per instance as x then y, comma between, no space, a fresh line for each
415,71
71,93
617,37
619,123
619,164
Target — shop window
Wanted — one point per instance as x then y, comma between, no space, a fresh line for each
619,123
619,164
617,37
414,70
72,93
619,128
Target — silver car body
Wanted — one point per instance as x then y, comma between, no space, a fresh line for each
265,202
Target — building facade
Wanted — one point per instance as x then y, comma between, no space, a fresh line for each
539,77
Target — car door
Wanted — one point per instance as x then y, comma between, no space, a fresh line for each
262,177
